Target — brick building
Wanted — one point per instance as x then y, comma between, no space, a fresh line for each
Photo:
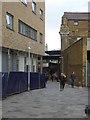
74,33
23,26
88,62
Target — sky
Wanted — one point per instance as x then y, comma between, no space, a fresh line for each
54,10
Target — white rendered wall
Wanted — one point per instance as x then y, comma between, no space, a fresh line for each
88,44
21,62
34,64
28,62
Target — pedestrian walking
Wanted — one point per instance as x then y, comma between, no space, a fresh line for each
51,74
56,76
52,77
46,79
72,79
62,81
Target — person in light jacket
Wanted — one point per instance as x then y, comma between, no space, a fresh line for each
62,81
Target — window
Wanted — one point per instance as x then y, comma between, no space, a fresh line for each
76,23
24,2
9,21
41,14
41,37
33,68
27,30
33,6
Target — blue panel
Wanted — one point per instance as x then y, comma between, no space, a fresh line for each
42,81
34,81
23,84
17,82
4,84
13,83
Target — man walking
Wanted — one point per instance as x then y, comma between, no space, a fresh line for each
72,79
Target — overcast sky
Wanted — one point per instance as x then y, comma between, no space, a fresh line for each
54,10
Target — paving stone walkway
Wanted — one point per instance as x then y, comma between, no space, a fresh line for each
49,102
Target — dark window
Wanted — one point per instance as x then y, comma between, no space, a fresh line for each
41,37
28,31
41,14
9,20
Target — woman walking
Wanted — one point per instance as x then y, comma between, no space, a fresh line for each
62,81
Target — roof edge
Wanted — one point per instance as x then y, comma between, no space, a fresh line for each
76,12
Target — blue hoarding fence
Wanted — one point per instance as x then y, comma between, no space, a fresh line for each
34,80
4,84
37,80
17,82
42,81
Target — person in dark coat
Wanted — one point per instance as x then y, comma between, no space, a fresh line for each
72,79
62,81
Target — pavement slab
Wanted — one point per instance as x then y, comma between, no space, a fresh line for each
49,102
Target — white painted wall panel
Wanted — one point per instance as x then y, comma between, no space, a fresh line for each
34,64
88,44
21,63
28,62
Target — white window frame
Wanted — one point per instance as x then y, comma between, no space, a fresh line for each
33,6
9,20
24,2
41,14
28,31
